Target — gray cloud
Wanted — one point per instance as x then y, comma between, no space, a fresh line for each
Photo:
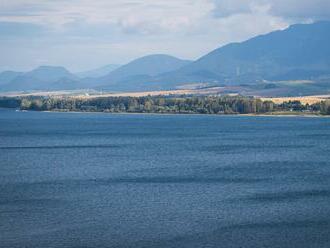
302,9
226,8
81,34
292,9
14,29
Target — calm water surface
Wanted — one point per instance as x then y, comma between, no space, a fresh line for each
102,180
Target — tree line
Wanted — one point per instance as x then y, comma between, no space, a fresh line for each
163,104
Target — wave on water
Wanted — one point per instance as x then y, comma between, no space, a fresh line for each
59,147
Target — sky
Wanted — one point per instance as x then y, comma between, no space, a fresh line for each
85,34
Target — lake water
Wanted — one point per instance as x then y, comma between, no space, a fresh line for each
102,180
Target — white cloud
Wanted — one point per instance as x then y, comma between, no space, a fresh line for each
142,16
292,9
93,32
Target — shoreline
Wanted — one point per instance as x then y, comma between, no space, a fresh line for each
274,114
279,115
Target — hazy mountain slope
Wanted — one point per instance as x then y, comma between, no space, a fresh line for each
144,67
301,51
41,78
98,72
8,76
49,73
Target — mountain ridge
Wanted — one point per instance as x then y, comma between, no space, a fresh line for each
265,56
137,71
98,72
40,78
300,52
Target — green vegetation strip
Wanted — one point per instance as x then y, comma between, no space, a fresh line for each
163,104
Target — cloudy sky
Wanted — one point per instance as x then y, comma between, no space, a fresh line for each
83,34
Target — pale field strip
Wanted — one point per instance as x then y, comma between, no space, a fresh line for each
139,94
41,93
302,99
93,94
206,91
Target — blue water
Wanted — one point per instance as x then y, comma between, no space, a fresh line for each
102,180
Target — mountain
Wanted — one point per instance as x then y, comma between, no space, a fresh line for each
98,72
49,73
7,76
273,62
42,78
300,52
141,69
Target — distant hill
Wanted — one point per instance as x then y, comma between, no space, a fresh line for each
41,78
270,64
141,70
99,72
7,76
300,52
49,73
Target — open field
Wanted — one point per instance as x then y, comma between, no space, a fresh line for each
207,91
302,99
93,94
60,93
89,94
